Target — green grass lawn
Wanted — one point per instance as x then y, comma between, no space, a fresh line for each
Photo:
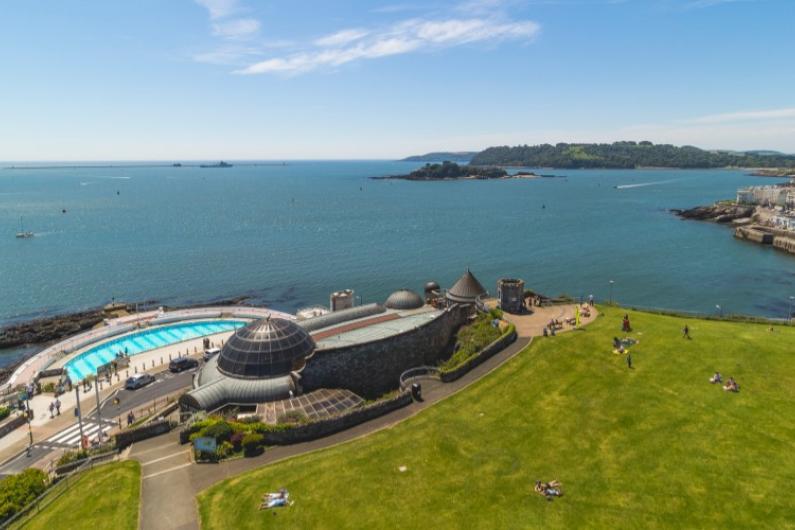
652,447
104,497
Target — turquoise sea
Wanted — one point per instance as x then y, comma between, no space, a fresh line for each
290,234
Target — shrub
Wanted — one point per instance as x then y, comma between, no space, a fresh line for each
4,412
252,443
225,449
221,431
71,456
49,387
236,439
18,490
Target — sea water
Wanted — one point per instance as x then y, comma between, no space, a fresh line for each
288,235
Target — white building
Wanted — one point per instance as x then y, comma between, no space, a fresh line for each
763,195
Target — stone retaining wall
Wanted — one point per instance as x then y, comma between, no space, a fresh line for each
12,424
489,351
373,368
125,438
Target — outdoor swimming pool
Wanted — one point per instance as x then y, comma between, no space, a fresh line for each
87,362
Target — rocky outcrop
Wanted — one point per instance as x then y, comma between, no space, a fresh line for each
49,329
719,212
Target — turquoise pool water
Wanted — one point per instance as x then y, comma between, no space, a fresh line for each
87,362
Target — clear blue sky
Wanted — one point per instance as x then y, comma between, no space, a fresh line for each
266,79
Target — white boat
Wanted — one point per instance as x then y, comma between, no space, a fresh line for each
23,234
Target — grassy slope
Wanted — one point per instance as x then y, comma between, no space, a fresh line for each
104,497
657,446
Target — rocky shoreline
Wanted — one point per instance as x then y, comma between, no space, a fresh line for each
54,328
720,212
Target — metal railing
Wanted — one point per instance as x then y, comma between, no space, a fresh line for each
418,372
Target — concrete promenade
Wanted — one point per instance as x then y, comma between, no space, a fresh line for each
170,481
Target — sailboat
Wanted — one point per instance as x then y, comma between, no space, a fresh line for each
23,234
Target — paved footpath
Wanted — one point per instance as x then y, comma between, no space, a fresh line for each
170,481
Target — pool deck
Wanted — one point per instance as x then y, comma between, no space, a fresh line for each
154,360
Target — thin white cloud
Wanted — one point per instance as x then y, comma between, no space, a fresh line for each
343,37
757,115
219,8
403,37
698,4
236,28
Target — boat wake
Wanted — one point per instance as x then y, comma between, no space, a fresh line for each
644,184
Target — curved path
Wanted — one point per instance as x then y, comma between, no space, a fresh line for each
170,481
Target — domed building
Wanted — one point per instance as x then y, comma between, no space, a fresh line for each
260,362
466,290
404,299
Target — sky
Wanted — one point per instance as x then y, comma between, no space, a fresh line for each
285,80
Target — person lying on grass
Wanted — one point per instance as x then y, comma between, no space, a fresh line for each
548,489
716,378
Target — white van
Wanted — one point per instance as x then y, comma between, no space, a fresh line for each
210,352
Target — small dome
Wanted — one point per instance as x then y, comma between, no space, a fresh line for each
404,299
265,348
432,286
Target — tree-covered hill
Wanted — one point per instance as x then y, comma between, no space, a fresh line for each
450,170
624,155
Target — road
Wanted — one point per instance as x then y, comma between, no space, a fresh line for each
165,383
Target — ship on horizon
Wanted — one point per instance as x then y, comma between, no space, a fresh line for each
219,164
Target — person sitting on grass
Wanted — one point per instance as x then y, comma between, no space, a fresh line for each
716,378
731,385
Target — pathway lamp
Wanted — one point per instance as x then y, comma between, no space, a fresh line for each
720,310
611,291
789,315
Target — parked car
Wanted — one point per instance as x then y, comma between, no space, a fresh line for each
181,364
210,353
137,381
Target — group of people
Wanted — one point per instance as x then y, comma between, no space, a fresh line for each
730,385
549,489
55,408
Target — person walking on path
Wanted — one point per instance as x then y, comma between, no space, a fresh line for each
686,332
590,300
629,360
52,410
58,406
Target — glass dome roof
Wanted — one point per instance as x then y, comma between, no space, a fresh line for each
265,348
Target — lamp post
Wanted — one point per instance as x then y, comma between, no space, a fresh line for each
720,310
79,414
28,415
611,291
99,411
789,316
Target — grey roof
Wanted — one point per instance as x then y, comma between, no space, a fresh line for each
338,317
267,347
233,391
467,289
404,299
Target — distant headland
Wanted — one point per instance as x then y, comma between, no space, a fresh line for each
621,155
462,157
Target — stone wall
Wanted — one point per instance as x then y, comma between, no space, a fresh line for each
125,438
373,368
